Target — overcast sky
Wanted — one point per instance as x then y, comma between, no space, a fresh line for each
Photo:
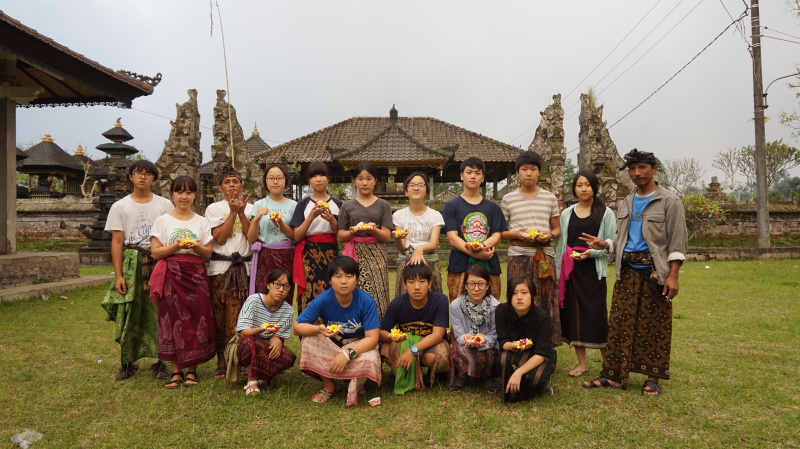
490,67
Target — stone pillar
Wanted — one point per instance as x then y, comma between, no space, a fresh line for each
8,170
549,143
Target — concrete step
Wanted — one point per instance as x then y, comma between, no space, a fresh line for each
52,288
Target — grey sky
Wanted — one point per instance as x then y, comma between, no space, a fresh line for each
490,67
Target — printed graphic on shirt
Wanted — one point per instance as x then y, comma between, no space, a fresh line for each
350,327
140,233
180,234
637,215
417,328
237,225
475,227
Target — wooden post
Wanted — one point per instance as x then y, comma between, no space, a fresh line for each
8,171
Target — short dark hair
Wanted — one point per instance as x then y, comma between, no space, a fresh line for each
416,271
182,182
346,264
144,164
473,162
317,168
512,284
528,157
275,275
283,168
481,272
414,175
365,166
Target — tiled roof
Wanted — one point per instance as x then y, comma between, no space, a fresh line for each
375,137
207,169
46,156
255,144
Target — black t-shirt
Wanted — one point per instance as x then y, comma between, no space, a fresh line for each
534,326
474,223
420,322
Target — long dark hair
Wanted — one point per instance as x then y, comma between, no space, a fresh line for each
598,206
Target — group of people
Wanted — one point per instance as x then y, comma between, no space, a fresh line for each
168,306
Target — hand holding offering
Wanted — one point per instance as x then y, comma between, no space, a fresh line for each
523,344
190,242
575,255
400,233
396,333
475,341
322,205
275,216
334,328
533,233
271,328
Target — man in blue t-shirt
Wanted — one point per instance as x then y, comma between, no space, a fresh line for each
422,317
348,351
473,226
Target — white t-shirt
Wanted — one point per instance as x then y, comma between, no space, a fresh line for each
419,228
168,230
135,219
217,214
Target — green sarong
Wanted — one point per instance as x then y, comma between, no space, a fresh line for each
404,380
135,315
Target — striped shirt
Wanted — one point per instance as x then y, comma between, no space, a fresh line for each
532,213
255,314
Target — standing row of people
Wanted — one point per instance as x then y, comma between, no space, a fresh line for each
567,285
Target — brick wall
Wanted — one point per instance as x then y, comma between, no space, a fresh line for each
27,268
55,218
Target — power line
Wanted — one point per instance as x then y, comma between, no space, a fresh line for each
780,39
779,32
738,28
201,126
742,16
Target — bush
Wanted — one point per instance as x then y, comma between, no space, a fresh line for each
701,213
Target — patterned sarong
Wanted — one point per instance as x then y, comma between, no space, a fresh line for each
316,254
254,351
373,273
318,352
468,361
390,352
226,308
185,322
540,269
640,325
135,316
267,257
531,381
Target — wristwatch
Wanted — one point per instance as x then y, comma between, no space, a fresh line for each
352,353
414,350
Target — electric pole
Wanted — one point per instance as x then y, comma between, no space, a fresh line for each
762,203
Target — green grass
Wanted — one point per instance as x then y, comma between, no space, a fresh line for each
43,244
735,370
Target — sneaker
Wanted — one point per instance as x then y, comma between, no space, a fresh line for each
127,371
546,390
459,382
159,370
491,385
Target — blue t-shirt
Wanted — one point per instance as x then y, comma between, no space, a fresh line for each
636,242
474,223
269,232
360,316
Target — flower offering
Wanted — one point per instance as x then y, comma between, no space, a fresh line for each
271,328
334,328
323,205
189,241
400,233
396,333
575,254
523,344
533,233
275,215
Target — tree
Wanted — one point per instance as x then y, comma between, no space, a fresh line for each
680,175
780,157
725,161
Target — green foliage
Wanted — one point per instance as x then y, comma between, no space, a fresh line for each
780,157
701,213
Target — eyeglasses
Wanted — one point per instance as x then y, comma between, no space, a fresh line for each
273,179
477,285
142,174
416,186
279,286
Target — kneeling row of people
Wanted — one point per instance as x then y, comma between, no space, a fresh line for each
340,335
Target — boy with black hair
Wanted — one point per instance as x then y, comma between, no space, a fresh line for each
345,345
422,317
529,209
473,226
128,302
229,270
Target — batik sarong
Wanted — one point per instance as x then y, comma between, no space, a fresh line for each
254,352
390,353
318,352
267,257
134,315
226,308
185,321
539,268
436,280
373,273
639,324
316,252
531,382
468,361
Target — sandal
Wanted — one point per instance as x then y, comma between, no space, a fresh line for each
190,381
251,389
321,396
603,383
220,372
174,383
651,386
575,372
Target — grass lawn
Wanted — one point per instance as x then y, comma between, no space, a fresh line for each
735,370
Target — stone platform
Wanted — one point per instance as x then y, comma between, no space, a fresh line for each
37,268
53,288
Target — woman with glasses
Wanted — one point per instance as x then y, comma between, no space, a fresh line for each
474,351
365,225
272,238
417,229
265,322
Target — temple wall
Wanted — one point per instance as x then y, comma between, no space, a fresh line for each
55,218
21,268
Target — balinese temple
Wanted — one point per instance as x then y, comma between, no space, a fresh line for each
117,153
208,180
47,162
396,146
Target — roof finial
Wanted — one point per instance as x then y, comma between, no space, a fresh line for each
255,128
47,138
118,124
393,114
79,151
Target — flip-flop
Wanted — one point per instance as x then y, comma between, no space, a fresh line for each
654,387
321,396
578,372
251,389
604,383
174,383
190,381
220,373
